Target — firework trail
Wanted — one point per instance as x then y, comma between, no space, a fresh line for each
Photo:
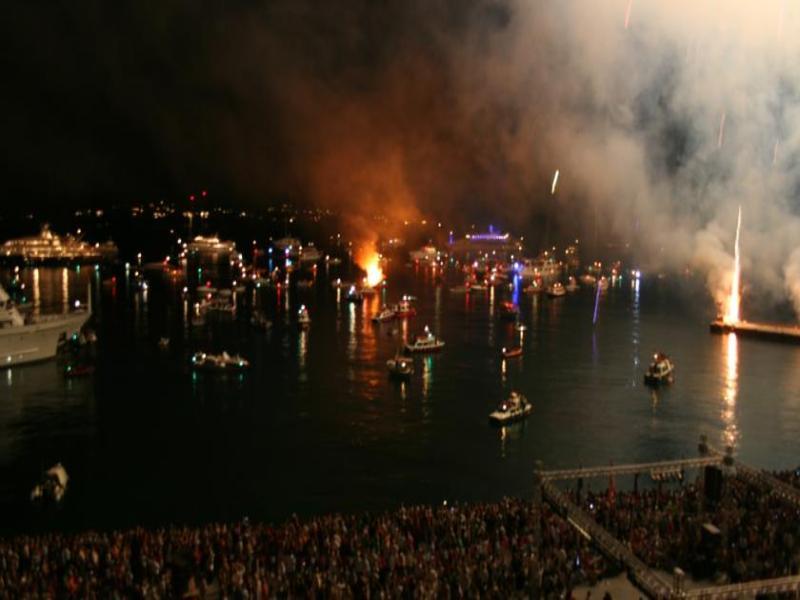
721,130
554,184
596,303
775,152
628,13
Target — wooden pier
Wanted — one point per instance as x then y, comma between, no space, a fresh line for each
779,333
646,579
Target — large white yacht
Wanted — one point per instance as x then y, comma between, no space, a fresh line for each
24,341
47,246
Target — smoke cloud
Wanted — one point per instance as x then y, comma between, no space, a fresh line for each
661,117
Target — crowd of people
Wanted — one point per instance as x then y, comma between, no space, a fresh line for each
507,549
745,534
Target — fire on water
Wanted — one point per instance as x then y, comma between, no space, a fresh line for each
731,315
370,260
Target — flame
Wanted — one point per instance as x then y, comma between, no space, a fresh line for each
732,312
370,260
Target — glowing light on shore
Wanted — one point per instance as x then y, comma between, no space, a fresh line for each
370,260
734,299
554,184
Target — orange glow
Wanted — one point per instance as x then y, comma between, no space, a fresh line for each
734,298
370,260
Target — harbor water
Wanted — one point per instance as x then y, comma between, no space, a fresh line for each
316,426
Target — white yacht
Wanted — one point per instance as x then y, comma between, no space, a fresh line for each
515,408
47,246
24,341
386,314
427,342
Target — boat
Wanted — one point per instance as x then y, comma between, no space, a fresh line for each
404,308
260,321
354,295
588,279
509,311
49,247
515,408
219,362
303,318
534,288
520,327
400,366
424,254
511,352
557,290
367,290
387,314
52,486
427,342
572,285
23,341
73,371
333,260
338,284
661,370
309,254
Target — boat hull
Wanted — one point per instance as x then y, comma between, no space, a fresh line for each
37,341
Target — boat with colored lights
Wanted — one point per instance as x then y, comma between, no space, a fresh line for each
303,318
404,308
557,290
219,362
427,342
509,311
661,370
515,408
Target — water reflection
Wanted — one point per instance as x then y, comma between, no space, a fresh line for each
635,335
302,350
64,289
37,296
730,389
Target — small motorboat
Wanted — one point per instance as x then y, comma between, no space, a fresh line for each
427,342
404,308
303,318
515,408
75,371
512,352
557,290
219,362
386,314
52,486
661,371
400,366
509,311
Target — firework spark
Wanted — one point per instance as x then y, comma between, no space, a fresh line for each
721,129
554,184
734,299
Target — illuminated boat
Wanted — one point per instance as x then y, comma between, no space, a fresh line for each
515,408
74,371
309,254
303,318
260,321
49,247
509,311
557,290
404,308
661,370
572,285
511,352
427,342
52,486
386,314
24,341
401,367
219,362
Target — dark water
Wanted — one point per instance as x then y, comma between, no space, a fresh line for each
316,426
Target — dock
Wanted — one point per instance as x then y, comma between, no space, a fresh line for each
779,333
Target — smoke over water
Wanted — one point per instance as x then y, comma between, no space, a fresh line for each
661,117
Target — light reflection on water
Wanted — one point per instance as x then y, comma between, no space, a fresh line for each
730,389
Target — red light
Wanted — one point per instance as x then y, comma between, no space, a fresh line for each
203,193
191,198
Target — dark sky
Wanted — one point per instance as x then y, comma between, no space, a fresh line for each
303,100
